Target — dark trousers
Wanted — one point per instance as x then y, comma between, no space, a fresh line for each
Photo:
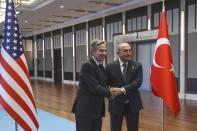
84,123
132,120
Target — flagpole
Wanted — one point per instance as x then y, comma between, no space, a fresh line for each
162,115
16,126
163,9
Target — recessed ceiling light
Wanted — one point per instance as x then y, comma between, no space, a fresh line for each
61,6
26,21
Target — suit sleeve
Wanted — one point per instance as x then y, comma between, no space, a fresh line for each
107,75
136,83
89,76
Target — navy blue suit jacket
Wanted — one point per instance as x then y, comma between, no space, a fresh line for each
92,90
133,82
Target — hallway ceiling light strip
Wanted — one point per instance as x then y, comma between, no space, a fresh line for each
18,4
2,10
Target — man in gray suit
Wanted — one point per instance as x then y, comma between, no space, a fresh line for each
127,75
89,105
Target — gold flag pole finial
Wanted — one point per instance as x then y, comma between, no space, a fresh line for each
163,5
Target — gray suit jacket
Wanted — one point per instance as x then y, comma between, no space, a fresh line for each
134,79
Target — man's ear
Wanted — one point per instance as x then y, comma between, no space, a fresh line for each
117,53
92,52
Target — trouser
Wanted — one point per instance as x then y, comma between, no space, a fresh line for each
132,120
85,123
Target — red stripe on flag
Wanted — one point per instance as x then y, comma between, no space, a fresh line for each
23,67
18,100
17,79
15,73
14,115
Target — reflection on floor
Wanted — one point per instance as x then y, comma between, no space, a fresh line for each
47,122
58,99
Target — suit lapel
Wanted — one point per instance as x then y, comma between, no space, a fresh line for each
101,75
130,69
131,66
92,61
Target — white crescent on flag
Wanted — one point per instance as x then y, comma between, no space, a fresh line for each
160,42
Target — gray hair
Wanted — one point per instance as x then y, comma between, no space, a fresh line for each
95,43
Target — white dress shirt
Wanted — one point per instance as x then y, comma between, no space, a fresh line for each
121,68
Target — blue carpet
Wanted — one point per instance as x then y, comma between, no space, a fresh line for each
47,121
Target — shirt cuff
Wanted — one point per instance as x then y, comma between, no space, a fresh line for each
123,90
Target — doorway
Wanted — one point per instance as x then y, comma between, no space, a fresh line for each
57,66
145,52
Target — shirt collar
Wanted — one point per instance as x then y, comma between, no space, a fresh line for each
97,62
121,62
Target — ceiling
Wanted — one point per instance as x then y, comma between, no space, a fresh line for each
44,15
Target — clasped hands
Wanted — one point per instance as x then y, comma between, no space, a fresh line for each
115,91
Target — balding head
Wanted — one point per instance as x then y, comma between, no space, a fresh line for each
122,45
124,51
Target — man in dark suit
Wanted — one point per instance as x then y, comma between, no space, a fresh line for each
127,75
89,105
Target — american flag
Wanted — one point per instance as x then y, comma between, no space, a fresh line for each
0,107
16,95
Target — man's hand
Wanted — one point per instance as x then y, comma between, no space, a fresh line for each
115,91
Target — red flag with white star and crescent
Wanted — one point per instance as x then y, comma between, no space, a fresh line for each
162,77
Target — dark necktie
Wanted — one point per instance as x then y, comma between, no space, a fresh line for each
124,71
101,68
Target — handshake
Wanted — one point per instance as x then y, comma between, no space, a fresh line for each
115,91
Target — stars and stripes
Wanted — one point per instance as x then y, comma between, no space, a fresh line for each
16,95
1,107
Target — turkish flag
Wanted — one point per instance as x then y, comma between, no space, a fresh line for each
162,77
